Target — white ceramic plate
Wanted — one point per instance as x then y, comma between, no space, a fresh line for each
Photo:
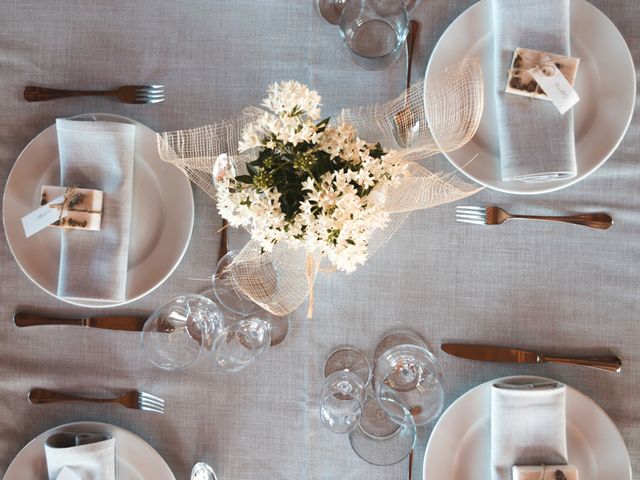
605,83
460,445
137,460
161,218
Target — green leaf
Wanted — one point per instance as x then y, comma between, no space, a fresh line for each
245,179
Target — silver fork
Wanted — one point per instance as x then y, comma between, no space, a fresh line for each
132,399
126,94
496,216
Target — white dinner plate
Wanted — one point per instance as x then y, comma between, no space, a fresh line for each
137,460
460,444
161,214
605,83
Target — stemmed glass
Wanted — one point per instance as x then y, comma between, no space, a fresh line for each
180,330
386,434
241,343
341,401
237,305
347,373
408,371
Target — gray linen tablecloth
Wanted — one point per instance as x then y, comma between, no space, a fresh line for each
555,287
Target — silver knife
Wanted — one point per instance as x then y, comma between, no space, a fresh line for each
487,353
128,323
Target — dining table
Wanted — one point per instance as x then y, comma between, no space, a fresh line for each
558,288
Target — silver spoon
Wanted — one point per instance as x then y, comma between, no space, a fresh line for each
407,125
203,471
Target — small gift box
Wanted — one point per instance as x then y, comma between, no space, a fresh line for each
80,209
545,472
521,80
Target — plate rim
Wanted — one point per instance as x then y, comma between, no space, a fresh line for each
76,302
573,181
487,384
90,425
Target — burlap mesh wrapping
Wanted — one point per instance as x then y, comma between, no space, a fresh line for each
448,111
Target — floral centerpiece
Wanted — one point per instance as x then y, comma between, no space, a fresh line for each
310,186
310,190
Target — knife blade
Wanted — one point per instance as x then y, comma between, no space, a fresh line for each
487,353
124,322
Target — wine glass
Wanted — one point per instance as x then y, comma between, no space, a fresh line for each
386,433
341,400
177,332
405,369
239,345
349,360
279,323
374,31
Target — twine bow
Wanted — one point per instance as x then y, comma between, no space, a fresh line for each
546,65
70,195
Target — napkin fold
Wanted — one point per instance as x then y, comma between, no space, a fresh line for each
528,427
98,155
87,455
536,142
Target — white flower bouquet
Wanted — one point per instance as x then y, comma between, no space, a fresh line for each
310,186
308,190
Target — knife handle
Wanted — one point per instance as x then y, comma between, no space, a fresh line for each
610,364
25,319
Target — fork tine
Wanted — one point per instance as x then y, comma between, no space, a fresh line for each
475,222
146,403
149,91
471,216
150,399
470,207
147,408
149,100
158,96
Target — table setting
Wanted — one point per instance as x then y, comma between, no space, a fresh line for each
254,240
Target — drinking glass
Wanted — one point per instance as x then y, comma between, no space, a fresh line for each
177,332
343,394
332,9
239,345
386,433
374,31
405,369
349,360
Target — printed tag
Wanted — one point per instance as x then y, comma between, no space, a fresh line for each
557,88
40,218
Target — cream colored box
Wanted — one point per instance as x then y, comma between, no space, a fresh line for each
83,211
545,472
521,82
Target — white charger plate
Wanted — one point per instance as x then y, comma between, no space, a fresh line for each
460,445
161,215
137,460
606,84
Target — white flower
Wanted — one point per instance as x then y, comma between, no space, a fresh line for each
336,215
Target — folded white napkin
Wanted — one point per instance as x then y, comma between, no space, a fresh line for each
528,427
98,155
88,456
536,142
